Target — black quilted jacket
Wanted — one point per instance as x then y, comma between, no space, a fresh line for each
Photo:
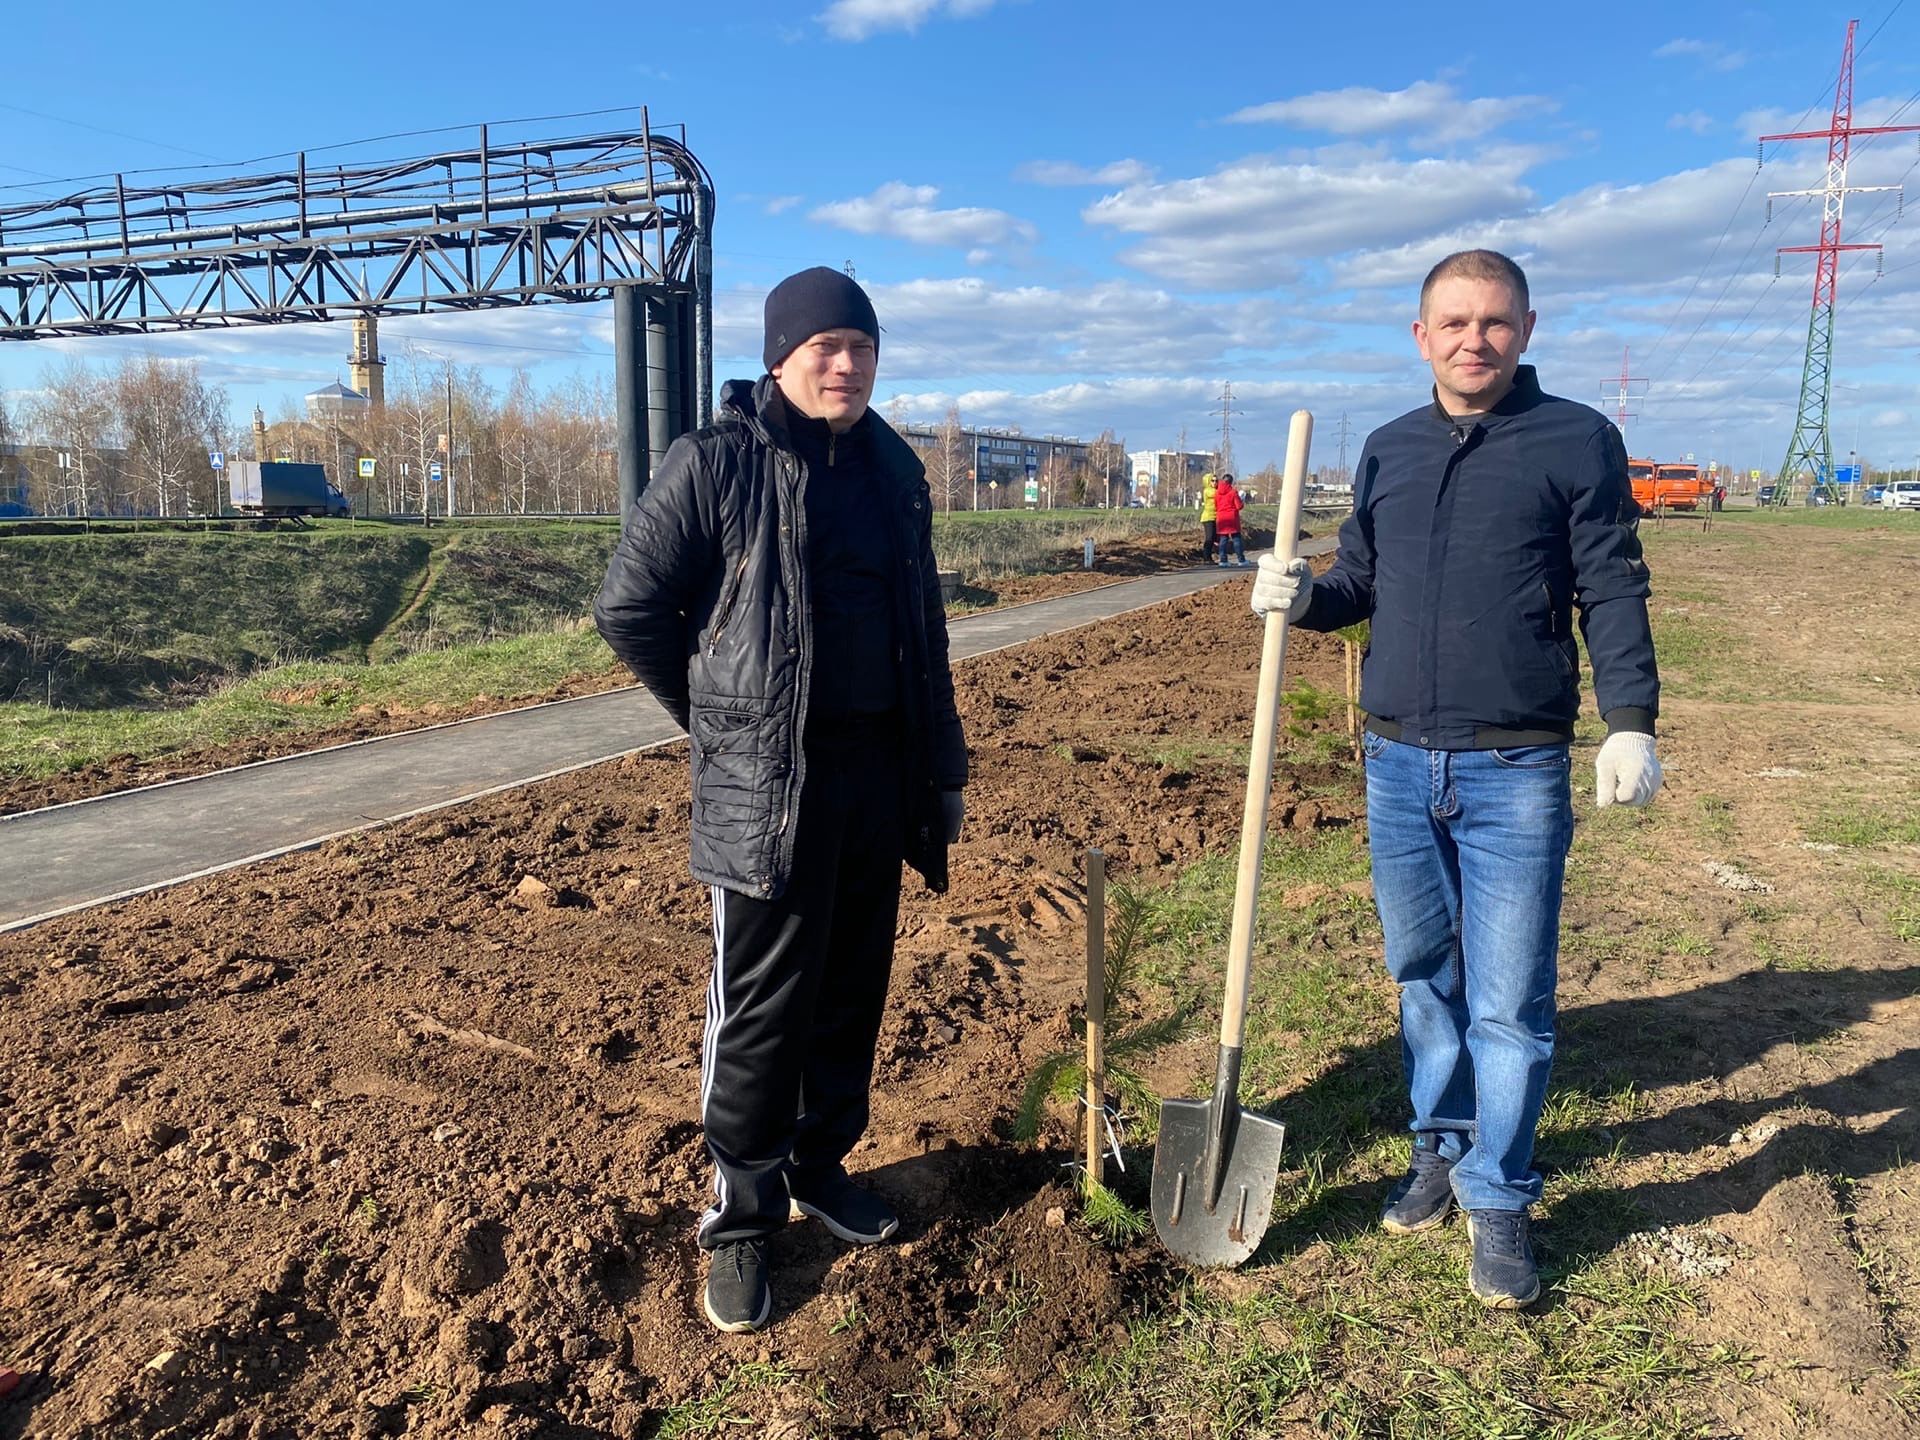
706,601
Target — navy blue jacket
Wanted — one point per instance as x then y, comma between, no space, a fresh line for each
1469,545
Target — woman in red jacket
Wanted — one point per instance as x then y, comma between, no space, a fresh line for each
1226,519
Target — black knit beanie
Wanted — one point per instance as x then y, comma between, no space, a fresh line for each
803,305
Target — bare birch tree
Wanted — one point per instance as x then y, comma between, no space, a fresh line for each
947,461
71,416
1107,458
169,419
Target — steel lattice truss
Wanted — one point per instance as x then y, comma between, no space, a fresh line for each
497,225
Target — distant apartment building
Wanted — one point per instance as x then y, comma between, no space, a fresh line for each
1009,468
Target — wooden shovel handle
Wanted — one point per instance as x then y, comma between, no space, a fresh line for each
1266,732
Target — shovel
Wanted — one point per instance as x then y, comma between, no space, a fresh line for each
1215,1165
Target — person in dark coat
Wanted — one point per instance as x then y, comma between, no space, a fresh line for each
775,589
1481,520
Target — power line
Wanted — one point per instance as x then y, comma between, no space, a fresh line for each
1674,319
103,130
1811,446
1226,412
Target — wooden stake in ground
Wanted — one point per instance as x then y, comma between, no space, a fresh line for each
1353,695
1096,1015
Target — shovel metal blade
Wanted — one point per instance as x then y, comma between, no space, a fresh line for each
1197,1227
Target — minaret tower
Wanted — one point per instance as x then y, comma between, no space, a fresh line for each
367,367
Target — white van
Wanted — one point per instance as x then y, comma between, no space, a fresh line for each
1901,495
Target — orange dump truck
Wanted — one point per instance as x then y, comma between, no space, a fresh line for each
1676,486
1640,476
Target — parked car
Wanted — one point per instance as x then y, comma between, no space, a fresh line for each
1764,495
1901,495
1874,493
1823,495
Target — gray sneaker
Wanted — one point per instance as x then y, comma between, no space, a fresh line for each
738,1296
1504,1275
1425,1193
857,1216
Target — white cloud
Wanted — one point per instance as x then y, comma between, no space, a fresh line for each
859,19
1711,53
1698,121
1065,172
1252,223
1605,235
970,328
1431,109
906,212
780,204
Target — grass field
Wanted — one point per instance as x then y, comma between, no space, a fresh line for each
1720,1156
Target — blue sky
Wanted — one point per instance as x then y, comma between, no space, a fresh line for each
1074,215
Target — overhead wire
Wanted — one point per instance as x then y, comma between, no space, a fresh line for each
1732,275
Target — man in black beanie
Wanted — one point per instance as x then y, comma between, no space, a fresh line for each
775,589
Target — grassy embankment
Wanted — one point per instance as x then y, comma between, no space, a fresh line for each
153,643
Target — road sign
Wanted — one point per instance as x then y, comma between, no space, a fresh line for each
433,471
366,467
1846,474
217,459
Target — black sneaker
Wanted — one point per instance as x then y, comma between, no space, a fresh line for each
1504,1276
1425,1193
738,1296
855,1215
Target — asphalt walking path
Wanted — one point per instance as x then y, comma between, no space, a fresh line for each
89,852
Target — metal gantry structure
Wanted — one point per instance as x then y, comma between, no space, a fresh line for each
625,215
1811,447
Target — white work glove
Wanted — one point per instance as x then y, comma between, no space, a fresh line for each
1626,771
1278,586
953,813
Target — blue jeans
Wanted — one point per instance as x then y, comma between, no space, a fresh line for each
1233,538
1469,854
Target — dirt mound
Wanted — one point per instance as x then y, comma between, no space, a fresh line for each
400,1136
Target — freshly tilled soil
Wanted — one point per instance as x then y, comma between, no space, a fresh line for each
400,1136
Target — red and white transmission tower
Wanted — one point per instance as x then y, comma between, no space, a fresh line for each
1619,397
1812,446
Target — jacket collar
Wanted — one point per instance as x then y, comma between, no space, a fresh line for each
1524,396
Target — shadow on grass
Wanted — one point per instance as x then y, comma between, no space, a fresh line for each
1636,1044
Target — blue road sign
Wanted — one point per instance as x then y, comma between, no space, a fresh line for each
433,470
217,459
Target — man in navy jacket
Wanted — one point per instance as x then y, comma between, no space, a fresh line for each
1482,520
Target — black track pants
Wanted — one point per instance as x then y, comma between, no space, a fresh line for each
799,986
